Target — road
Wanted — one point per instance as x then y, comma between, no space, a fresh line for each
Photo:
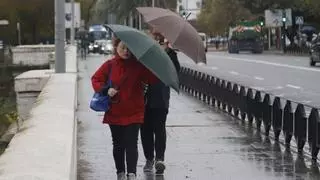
284,76
202,144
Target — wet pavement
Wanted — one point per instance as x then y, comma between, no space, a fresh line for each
203,144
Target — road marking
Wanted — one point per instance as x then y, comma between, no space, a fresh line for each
293,86
214,68
306,102
268,63
280,95
258,88
233,72
279,87
259,78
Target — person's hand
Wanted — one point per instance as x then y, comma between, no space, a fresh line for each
112,92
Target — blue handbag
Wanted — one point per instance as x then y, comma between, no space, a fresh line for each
100,102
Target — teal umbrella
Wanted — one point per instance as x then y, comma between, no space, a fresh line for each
149,53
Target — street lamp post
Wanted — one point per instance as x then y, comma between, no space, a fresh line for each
2,23
284,19
60,62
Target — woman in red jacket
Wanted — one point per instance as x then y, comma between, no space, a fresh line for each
126,113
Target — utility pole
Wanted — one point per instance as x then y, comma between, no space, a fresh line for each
19,33
284,19
153,3
140,22
72,23
60,63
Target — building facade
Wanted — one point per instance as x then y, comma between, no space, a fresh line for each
189,6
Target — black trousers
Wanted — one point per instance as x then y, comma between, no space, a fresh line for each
125,139
153,133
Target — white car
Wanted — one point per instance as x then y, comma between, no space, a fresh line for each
107,47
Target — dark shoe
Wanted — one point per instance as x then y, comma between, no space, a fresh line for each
160,167
149,166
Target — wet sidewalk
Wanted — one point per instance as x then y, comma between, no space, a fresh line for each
203,144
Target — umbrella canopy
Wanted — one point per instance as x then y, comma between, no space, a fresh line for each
308,29
180,33
82,33
149,53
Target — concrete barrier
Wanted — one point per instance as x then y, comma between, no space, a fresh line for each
45,145
28,87
32,55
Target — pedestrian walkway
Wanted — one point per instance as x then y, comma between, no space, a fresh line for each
203,144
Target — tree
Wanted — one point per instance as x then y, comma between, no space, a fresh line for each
218,15
124,8
35,17
314,7
87,9
258,6
310,9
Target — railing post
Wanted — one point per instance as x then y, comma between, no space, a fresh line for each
300,127
257,109
250,105
277,117
288,123
313,133
243,101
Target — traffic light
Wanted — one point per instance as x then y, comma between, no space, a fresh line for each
284,16
261,19
284,19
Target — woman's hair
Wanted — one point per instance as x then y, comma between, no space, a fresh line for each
115,43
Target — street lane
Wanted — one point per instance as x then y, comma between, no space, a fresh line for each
284,76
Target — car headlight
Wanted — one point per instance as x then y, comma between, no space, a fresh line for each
102,48
90,47
109,47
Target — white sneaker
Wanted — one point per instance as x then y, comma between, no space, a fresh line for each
148,167
121,176
160,167
131,176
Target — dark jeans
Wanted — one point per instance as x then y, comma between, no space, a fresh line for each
125,139
153,133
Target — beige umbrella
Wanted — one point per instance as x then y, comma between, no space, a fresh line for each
180,33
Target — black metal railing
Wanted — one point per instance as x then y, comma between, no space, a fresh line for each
278,114
294,50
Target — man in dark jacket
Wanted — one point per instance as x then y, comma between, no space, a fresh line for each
153,131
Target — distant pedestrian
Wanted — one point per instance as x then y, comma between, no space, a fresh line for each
217,41
83,47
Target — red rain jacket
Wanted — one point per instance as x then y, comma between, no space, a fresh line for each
130,76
